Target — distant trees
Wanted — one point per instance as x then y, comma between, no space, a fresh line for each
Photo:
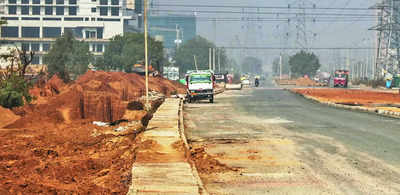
304,63
68,57
251,65
199,47
124,51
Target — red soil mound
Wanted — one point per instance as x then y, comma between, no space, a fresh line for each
347,96
305,82
95,96
7,117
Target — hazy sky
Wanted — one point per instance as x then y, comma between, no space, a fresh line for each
352,33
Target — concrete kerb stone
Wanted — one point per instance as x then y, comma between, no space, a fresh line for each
152,177
354,108
203,190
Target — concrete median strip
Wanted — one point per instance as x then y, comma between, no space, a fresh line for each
377,111
164,166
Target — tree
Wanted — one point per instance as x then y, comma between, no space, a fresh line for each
199,47
125,51
251,65
304,63
68,57
14,88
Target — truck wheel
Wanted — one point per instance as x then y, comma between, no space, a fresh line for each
212,100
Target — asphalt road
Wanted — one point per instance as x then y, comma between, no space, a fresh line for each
285,144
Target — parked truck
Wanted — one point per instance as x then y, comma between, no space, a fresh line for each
200,85
341,78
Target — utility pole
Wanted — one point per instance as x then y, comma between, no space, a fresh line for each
209,58
195,62
219,61
146,54
213,59
280,67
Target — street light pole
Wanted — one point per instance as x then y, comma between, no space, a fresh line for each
146,53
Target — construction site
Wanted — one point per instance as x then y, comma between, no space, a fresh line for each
52,146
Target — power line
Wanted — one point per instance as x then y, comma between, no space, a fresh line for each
261,7
264,13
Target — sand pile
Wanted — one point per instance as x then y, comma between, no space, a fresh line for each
95,96
7,117
305,82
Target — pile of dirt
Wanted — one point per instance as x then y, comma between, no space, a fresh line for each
75,159
7,117
305,82
207,164
95,96
53,147
352,97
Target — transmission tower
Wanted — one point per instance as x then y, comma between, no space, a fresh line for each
304,36
388,38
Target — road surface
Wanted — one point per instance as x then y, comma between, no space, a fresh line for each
279,143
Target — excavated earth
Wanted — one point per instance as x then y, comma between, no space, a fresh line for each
352,97
52,147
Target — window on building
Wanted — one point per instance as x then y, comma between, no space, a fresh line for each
48,10
72,11
35,1
12,9
35,60
103,2
115,11
24,1
36,10
93,10
114,2
100,32
60,2
31,32
35,47
94,0
46,46
90,34
51,32
49,2
60,11
24,10
25,46
72,2
99,48
12,1
9,31
103,11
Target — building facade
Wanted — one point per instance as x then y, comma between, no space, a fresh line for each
35,24
173,29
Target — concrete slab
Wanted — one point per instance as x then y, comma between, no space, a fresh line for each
164,168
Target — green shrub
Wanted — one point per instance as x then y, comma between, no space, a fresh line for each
14,91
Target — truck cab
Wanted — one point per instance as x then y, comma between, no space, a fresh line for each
341,78
200,85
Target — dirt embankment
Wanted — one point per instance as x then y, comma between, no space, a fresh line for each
53,147
300,82
352,97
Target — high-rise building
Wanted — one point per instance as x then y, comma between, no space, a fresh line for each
35,24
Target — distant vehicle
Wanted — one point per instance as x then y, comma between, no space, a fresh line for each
220,78
323,78
245,80
341,78
200,85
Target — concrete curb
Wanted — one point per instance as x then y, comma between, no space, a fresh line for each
376,111
203,190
